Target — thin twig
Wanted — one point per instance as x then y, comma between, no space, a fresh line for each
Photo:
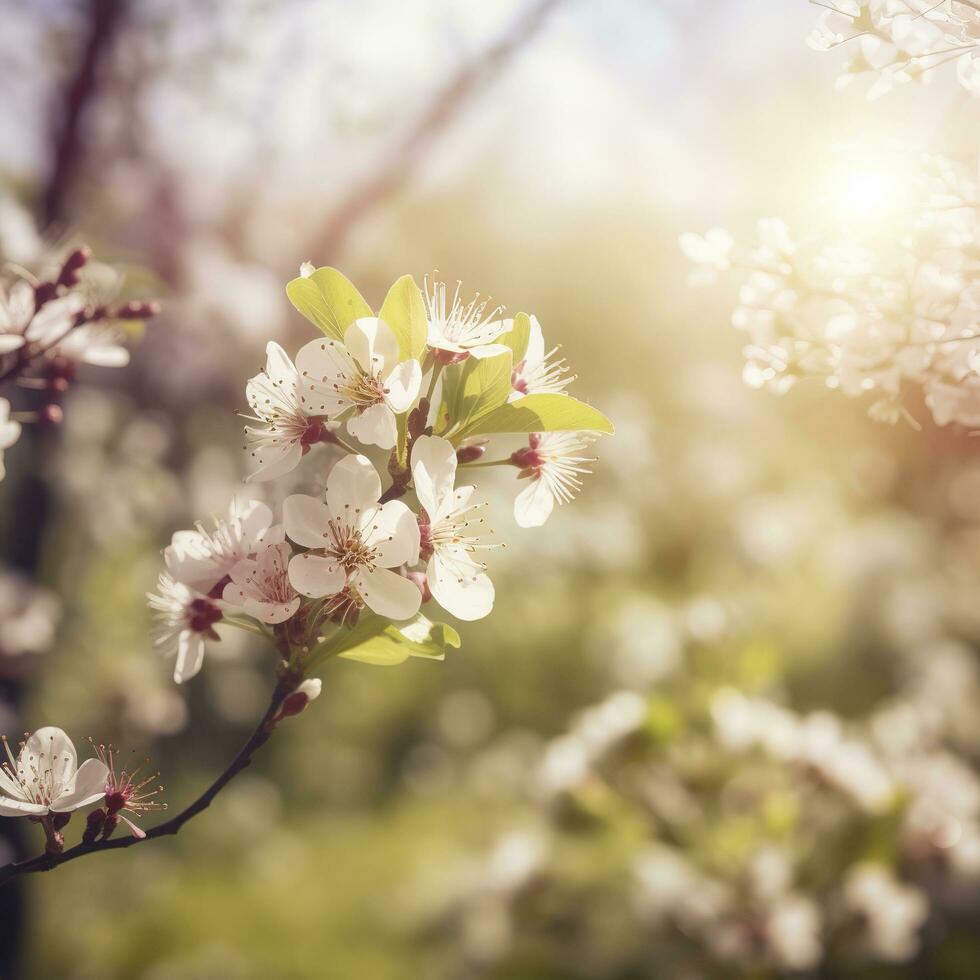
258,738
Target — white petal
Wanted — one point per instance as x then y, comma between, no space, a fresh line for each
322,364
387,593
190,656
434,471
305,519
403,385
18,808
375,426
469,599
50,750
316,576
279,367
534,355
488,350
372,344
255,518
353,488
393,531
106,355
274,460
534,504
90,783
271,612
10,341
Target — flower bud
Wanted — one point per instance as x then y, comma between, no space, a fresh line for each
73,264
471,453
136,310
60,820
297,701
50,414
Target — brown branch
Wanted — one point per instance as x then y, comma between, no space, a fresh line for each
104,17
446,105
258,738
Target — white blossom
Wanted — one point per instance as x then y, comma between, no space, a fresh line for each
893,912
285,430
260,586
459,330
46,778
185,618
364,375
354,541
457,581
537,373
554,465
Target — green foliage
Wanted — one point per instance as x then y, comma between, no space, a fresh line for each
377,641
328,299
518,336
404,311
483,386
540,413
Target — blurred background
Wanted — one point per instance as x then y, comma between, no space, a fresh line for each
723,720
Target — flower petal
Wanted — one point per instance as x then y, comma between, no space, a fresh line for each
393,532
372,344
534,504
434,471
190,656
388,593
468,597
50,750
316,576
271,612
18,808
353,488
274,460
403,384
305,519
89,786
375,426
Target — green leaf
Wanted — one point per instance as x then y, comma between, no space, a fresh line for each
542,413
404,311
517,337
328,299
484,386
378,641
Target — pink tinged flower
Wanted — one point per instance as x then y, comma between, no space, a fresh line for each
449,532
260,586
16,311
185,618
458,330
9,432
126,791
201,559
553,463
285,430
364,374
46,778
354,542
537,373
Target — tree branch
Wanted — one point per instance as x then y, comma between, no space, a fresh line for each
258,738
442,111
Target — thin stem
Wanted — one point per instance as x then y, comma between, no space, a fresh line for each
258,738
488,462
436,371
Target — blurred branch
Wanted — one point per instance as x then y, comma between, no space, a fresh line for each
445,107
104,17
258,738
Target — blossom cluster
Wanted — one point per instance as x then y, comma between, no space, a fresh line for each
893,316
50,322
435,384
901,41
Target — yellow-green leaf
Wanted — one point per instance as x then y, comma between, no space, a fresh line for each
328,299
484,386
517,337
542,413
404,311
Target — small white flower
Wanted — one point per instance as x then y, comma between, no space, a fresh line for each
99,344
260,586
286,431
9,432
535,374
553,462
354,542
893,911
200,559
46,778
185,618
461,331
16,311
311,688
364,373
456,580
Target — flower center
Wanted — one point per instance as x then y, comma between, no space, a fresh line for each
202,615
347,547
